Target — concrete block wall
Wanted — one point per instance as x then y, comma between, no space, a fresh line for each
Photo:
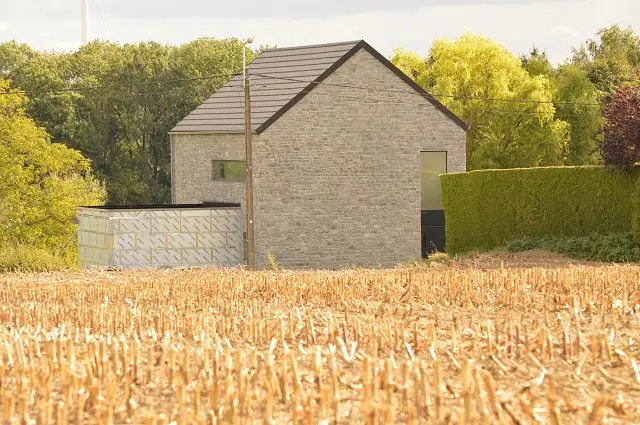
165,237
94,238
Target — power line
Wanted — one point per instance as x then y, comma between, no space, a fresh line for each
489,99
117,86
208,77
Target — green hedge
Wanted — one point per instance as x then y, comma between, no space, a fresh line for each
485,209
635,223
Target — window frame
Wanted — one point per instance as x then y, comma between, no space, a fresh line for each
446,171
224,162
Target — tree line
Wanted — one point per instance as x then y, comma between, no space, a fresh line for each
116,103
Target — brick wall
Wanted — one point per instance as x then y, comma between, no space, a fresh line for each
338,176
191,168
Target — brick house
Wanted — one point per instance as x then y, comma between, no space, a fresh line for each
346,152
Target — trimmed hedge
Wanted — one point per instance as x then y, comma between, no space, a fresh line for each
635,223
487,208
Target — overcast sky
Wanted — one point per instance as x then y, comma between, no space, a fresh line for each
554,25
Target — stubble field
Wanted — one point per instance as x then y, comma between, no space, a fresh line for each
438,345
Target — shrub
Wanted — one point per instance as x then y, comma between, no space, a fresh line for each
615,247
23,258
485,209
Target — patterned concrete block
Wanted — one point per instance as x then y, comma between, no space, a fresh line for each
212,240
196,213
130,214
152,241
82,237
92,224
195,224
114,257
225,224
181,240
165,225
82,253
235,240
223,212
139,257
102,225
104,256
91,239
101,241
135,225
226,255
114,225
164,213
196,256
166,257
124,241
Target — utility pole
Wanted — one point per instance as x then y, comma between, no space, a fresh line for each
83,17
248,205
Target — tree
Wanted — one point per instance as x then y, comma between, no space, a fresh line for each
621,143
43,182
611,60
537,63
484,84
577,100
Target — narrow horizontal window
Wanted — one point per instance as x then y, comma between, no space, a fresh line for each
228,170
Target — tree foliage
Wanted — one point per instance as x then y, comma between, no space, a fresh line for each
128,98
610,60
42,182
621,143
479,80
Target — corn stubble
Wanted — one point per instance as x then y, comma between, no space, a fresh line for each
446,346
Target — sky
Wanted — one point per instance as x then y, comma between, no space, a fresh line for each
552,25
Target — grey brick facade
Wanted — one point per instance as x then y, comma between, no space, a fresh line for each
337,176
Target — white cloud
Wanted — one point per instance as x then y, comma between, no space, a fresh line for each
4,26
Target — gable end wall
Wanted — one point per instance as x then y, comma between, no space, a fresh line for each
337,178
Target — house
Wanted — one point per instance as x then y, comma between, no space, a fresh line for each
346,151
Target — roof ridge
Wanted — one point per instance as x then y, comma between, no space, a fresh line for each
309,46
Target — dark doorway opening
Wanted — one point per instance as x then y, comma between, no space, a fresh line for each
433,237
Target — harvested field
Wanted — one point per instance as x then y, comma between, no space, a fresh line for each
441,345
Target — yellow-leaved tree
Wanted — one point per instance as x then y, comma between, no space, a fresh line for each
511,117
41,183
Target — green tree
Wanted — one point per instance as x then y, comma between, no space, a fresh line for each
537,63
610,60
576,99
43,182
482,83
577,103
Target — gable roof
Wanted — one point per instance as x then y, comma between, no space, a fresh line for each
279,79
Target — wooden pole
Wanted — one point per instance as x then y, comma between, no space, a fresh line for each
251,261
